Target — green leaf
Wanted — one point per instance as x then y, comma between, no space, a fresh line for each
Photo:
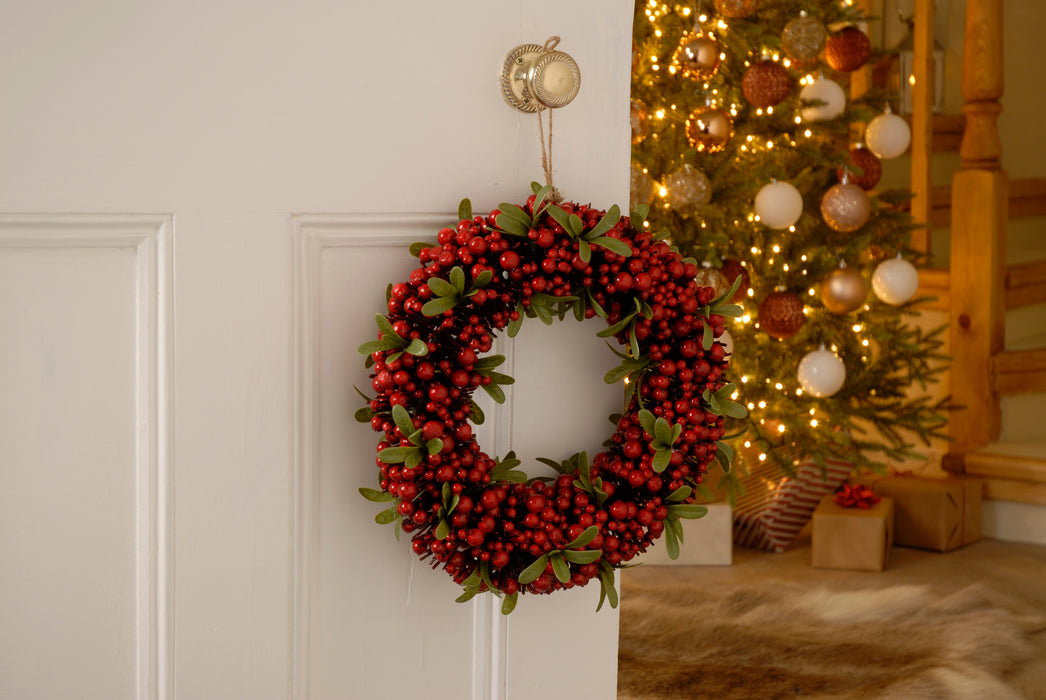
662,458
468,595
706,337
514,326
476,413
663,432
516,212
465,209
385,326
610,218
439,305
386,516
395,455
647,420
371,346
363,415
577,226
560,567
531,573
434,446
582,557
560,215
401,417
499,378
583,539
638,215
441,287
483,279
417,246
489,362
509,604
584,251
617,327
616,374
414,458
614,245
512,226
417,348
671,544
724,454
600,311
494,391
457,279
376,495
606,577
680,494
688,510
442,530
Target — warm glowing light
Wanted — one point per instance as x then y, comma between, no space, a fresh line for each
762,457
746,318
779,386
776,248
857,328
808,133
780,428
662,191
744,379
911,80
813,423
762,404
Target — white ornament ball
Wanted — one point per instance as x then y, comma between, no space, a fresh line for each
779,205
821,373
888,135
727,341
895,281
823,90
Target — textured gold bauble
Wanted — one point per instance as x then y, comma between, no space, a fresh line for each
711,277
688,188
697,56
845,207
766,83
803,38
641,188
844,290
736,9
781,314
709,129
640,121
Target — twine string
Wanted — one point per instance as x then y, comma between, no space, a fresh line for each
546,150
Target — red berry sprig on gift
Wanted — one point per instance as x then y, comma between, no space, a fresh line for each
480,518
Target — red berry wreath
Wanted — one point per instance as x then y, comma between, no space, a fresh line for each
479,517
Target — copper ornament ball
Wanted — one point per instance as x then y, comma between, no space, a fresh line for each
844,290
781,314
845,207
871,168
697,56
766,83
803,38
731,269
848,49
709,129
736,9
640,121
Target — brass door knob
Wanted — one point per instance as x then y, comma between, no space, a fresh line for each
534,77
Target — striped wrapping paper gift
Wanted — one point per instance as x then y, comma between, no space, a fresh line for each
775,508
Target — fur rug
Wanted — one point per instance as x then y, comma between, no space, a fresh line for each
776,641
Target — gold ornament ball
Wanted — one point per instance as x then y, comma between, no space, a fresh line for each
736,9
781,314
640,121
641,189
688,188
845,207
766,83
803,38
711,277
697,56
844,290
709,129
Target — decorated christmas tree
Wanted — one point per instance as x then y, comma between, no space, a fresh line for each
753,154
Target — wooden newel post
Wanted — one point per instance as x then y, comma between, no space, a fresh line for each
979,204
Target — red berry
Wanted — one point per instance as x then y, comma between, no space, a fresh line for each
509,260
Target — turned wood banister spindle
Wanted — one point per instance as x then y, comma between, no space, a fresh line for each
982,84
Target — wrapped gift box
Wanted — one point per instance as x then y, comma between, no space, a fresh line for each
852,538
775,507
938,514
707,541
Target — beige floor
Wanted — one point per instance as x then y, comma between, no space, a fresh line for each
1016,569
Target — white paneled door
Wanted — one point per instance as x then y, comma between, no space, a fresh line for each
201,204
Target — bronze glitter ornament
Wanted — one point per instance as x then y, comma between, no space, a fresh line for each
697,56
736,9
844,290
709,129
871,168
848,49
766,83
731,270
781,314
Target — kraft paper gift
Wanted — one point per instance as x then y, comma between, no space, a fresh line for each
937,514
852,538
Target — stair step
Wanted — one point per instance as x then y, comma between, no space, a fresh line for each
1011,471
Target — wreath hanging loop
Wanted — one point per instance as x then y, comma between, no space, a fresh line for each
488,524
